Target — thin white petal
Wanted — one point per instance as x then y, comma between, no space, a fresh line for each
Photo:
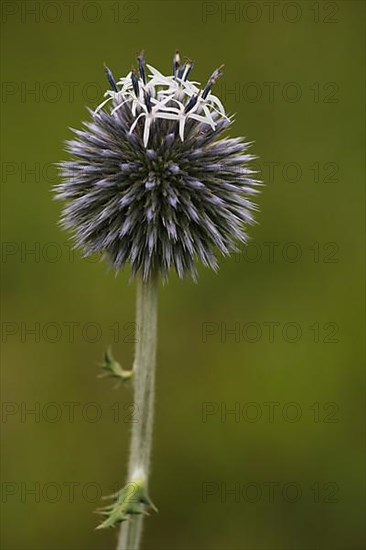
209,118
133,126
167,116
147,130
181,128
102,105
197,117
217,102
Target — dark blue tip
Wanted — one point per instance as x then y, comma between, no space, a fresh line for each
141,62
110,78
147,98
191,103
135,83
212,80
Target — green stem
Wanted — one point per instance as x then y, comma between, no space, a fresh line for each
144,389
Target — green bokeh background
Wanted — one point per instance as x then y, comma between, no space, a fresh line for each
191,372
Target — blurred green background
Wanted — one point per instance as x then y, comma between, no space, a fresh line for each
294,75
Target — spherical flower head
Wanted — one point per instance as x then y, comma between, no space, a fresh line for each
152,181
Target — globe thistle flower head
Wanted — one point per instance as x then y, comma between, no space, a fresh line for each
152,181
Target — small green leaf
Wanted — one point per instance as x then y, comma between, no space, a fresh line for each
113,369
133,499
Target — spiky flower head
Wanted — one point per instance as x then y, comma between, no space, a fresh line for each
153,182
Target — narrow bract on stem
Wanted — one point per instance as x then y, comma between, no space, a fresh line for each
154,183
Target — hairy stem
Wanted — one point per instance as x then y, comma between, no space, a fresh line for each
144,389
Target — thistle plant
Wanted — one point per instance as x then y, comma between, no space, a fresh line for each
154,183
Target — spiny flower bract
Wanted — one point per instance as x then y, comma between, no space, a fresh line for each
153,182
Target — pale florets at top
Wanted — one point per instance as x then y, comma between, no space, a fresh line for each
164,97
152,183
